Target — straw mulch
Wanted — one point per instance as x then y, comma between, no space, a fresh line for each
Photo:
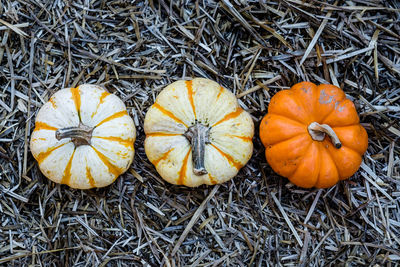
254,48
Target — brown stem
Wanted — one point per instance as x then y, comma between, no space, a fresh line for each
198,136
318,132
80,135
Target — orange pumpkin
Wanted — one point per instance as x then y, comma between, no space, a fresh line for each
312,135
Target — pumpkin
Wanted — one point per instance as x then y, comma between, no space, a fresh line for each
196,133
83,137
312,135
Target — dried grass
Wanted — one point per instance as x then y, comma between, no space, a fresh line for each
254,48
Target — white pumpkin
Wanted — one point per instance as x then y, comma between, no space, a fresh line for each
83,137
196,133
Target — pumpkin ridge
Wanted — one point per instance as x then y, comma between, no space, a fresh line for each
112,168
229,116
76,97
164,156
270,133
293,137
349,148
287,117
352,149
302,157
182,172
114,116
168,113
334,162
343,126
310,91
244,138
90,177
67,171
190,96
212,179
323,88
101,101
43,155
300,104
221,89
44,126
344,98
323,150
231,160
125,142
318,159
162,134
337,168
51,100
103,96
333,110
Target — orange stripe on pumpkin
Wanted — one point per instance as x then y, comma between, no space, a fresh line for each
163,157
231,160
190,95
76,96
229,116
125,142
101,101
221,89
212,179
162,134
168,113
111,168
44,126
103,96
90,177
244,138
114,116
182,172
67,172
43,155
53,103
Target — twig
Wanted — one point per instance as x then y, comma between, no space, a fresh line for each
193,220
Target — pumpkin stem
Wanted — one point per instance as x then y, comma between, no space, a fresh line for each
80,135
318,132
198,136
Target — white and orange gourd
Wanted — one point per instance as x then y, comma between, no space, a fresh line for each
196,133
83,137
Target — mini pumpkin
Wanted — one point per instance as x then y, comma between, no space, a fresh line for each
196,133
312,135
83,137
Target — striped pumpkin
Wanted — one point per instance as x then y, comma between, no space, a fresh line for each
196,133
83,137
